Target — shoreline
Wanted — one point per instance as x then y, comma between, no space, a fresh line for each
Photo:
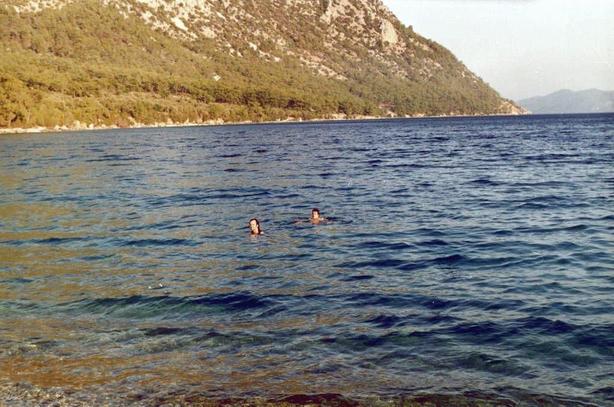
78,126
26,395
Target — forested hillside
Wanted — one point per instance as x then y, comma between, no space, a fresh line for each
127,62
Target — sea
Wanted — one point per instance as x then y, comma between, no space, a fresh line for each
471,257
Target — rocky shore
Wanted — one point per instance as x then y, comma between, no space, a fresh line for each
26,395
78,126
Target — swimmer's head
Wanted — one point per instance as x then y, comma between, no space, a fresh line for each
254,227
315,214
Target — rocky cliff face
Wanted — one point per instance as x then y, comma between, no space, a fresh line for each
307,29
357,44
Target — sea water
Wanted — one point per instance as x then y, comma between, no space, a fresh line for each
461,254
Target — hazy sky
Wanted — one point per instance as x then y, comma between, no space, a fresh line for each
522,48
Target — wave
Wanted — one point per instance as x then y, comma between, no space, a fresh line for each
386,263
361,277
203,197
153,242
54,241
485,182
112,158
376,244
452,260
168,306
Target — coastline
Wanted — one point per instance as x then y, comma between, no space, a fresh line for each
78,126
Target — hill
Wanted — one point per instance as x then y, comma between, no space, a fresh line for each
128,62
567,101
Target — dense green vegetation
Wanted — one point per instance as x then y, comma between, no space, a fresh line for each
88,63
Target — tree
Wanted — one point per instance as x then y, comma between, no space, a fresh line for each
15,101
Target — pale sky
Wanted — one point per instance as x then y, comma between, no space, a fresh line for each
522,48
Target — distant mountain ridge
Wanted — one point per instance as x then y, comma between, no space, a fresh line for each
568,101
130,62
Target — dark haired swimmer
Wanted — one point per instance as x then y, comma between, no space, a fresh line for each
254,227
316,217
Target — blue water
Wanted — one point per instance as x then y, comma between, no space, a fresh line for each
464,254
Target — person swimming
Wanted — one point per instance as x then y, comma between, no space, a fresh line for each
254,227
316,217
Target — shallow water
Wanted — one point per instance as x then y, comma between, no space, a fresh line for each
463,254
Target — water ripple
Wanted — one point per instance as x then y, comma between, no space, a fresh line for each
461,256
